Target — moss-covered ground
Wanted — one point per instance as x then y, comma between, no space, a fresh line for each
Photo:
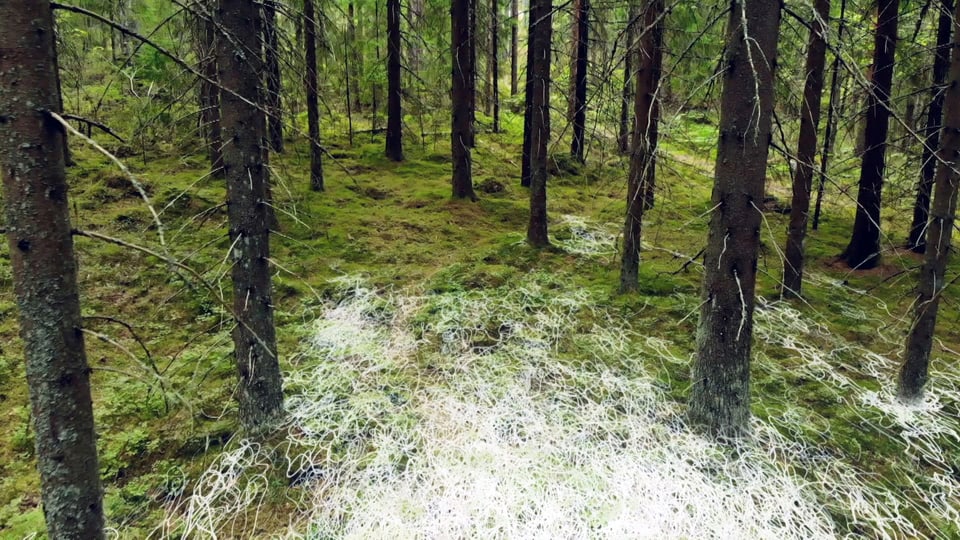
158,340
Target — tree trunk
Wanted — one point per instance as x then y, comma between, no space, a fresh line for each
932,282
644,145
462,94
472,72
579,106
394,95
863,251
541,34
271,43
45,274
310,82
514,45
806,149
832,114
244,127
526,153
941,64
356,60
720,392
495,62
624,140
209,92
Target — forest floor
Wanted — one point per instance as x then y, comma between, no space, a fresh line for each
446,380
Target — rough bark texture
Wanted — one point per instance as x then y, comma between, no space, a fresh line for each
806,149
720,393
45,274
579,104
916,356
495,62
462,95
644,145
244,126
863,251
832,114
624,140
941,64
209,93
310,83
514,44
394,147
541,33
271,54
472,72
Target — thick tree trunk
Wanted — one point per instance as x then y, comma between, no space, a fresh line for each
394,95
271,54
45,273
863,251
624,140
525,170
932,282
832,114
462,94
720,393
806,149
310,82
941,64
472,72
644,145
579,105
210,93
495,62
244,126
514,45
541,34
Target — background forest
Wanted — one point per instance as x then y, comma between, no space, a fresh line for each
584,269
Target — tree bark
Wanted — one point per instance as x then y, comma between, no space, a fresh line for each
45,273
260,391
941,64
624,140
514,45
863,251
462,94
541,34
579,105
356,60
720,392
525,170
832,113
806,149
495,62
310,82
271,43
644,146
394,111
931,284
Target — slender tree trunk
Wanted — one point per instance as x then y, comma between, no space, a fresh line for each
472,72
525,170
720,392
832,114
541,34
350,82
932,282
624,140
375,90
310,82
210,93
514,45
941,64
244,126
271,54
462,93
579,116
495,62
806,149
394,93
45,273
863,251
356,60
644,146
